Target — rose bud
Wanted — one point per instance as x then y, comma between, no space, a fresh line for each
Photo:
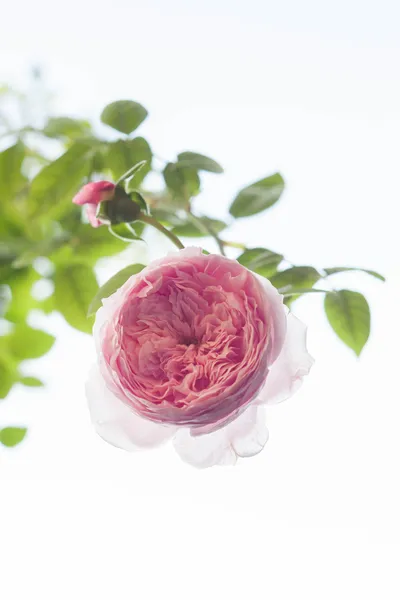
107,204
91,195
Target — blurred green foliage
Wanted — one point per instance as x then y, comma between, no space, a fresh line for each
38,220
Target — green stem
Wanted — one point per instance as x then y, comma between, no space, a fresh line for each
234,245
154,223
207,230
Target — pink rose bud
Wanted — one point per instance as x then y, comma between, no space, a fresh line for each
91,195
192,348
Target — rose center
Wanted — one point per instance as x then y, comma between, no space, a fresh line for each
190,341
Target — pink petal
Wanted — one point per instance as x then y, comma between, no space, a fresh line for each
94,193
116,423
249,432
244,437
293,363
204,450
91,210
277,309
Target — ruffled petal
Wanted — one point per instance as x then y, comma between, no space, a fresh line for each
278,317
249,433
244,437
204,450
293,363
116,423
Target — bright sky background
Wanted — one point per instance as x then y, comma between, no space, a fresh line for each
308,88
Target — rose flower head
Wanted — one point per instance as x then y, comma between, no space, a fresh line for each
192,348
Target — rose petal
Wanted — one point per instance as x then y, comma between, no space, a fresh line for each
204,450
116,423
91,211
249,432
276,309
94,193
244,437
293,363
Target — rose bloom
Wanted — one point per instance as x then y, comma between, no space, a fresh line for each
192,348
91,195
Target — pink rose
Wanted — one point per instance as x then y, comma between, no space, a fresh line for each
91,195
192,348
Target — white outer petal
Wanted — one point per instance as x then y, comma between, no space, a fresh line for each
293,363
116,423
275,301
246,436
249,433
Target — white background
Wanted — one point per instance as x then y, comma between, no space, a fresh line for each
309,88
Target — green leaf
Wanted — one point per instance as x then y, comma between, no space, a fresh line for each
8,375
13,190
199,162
87,245
43,248
124,232
11,248
11,436
8,251
124,115
54,186
261,261
5,299
295,278
20,282
140,201
112,285
349,316
46,305
130,173
122,155
65,127
24,342
301,291
11,178
75,286
199,228
31,381
167,217
258,196
138,227
183,182
334,270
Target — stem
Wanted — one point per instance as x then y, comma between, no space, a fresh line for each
154,223
234,244
208,230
